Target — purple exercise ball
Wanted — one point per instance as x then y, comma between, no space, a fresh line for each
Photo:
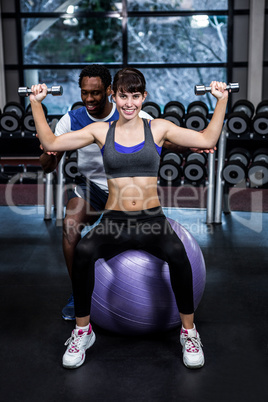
133,294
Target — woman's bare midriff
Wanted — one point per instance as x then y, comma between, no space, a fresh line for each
132,193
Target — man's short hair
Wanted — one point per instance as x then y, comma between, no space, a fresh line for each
96,70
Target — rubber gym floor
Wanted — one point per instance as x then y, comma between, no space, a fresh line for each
232,319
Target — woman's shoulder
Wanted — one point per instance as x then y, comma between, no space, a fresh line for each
159,123
99,125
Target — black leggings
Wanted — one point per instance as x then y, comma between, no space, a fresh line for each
119,231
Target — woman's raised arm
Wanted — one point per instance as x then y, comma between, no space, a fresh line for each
50,142
209,137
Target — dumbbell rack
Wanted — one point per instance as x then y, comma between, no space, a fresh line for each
220,202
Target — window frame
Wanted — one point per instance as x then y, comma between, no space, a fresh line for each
18,15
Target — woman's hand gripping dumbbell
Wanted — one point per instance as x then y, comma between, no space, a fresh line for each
202,89
55,90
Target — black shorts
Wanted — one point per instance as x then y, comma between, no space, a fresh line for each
90,192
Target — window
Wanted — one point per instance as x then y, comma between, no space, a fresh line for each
176,44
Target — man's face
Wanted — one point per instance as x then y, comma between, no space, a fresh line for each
94,96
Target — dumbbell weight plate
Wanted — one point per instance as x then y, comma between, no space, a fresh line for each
194,171
234,172
9,122
196,121
258,174
14,107
29,109
71,154
174,118
70,168
169,171
260,124
262,107
244,106
239,154
152,109
172,156
28,122
77,105
175,107
238,123
198,106
260,155
194,156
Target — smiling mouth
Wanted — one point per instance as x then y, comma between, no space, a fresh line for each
129,110
91,107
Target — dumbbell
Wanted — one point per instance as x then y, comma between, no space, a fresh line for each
9,122
196,117
70,168
11,118
77,105
239,120
56,90
245,106
260,121
176,108
14,107
174,118
152,108
258,170
169,173
28,122
194,169
202,89
235,169
170,169
172,156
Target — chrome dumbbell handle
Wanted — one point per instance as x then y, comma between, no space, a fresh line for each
55,90
202,89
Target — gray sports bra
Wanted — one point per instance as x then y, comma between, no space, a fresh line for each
143,163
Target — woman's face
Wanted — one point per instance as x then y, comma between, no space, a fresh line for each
129,104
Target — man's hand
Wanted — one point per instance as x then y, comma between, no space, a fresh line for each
200,151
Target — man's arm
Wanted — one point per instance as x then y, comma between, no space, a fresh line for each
50,160
181,150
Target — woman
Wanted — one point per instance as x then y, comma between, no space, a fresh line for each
133,217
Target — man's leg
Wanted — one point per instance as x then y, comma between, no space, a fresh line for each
79,213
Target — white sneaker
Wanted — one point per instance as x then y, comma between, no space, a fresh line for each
193,356
78,343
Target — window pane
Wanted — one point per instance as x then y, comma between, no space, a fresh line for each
176,5
177,39
48,6
57,40
177,84
68,79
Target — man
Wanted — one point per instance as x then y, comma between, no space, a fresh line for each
89,196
